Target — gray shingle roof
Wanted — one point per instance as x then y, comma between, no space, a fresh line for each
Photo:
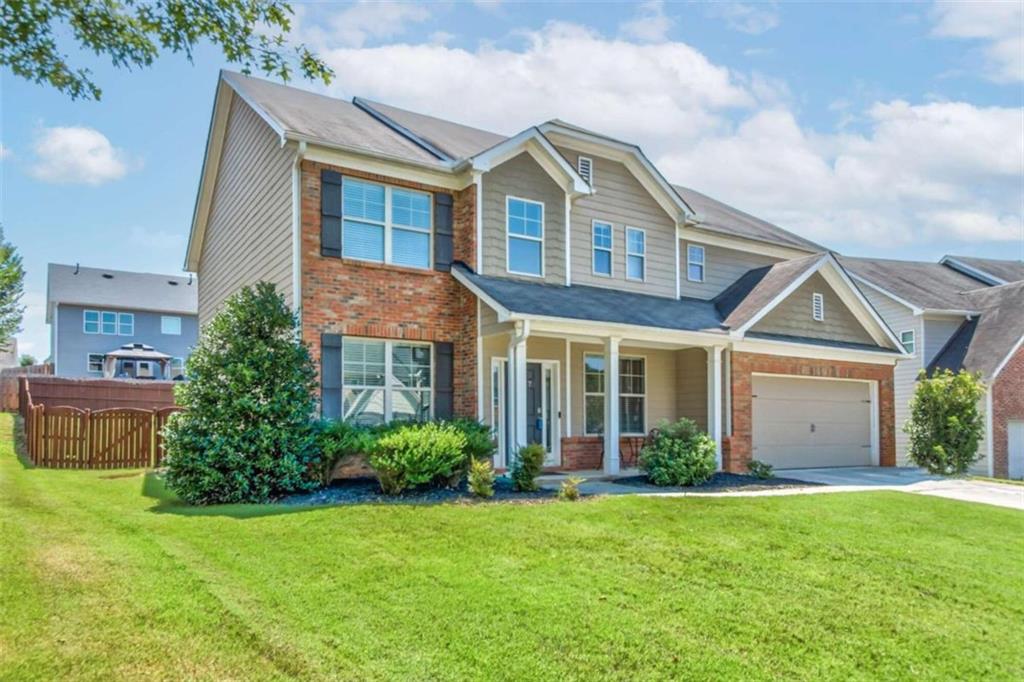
981,344
456,140
930,286
748,295
1006,270
123,290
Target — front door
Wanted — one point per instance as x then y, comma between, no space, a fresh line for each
542,408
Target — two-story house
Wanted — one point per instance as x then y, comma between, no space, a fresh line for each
552,283
959,313
117,324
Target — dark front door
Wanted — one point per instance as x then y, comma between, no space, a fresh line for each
534,403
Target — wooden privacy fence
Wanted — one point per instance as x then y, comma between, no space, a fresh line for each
64,437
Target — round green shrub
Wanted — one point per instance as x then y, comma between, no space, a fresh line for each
247,432
679,454
416,454
945,425
527,467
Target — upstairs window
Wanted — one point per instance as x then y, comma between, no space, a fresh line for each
125,324
385,224
525,225
585,166
908,341
695,263
602,238
108,323
636,254
170,324
818,307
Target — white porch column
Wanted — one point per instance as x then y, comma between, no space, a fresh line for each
517,389
611,405
715,400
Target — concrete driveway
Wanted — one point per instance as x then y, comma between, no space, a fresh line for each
912,481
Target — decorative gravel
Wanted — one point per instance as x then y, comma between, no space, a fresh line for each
367,491
719,482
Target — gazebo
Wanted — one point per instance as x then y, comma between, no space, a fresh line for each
135,361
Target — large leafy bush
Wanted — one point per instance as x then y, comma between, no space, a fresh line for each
678,453
417,454
246,433
340,440
945,424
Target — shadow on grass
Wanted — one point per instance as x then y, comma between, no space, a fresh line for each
154,487
20,446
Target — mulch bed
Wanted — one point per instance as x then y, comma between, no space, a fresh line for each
367,491
719,482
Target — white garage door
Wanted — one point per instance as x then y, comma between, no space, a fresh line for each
800,423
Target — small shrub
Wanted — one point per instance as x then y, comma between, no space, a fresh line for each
678,453
527,466
759,469
479,438
417,454
570,489
340,440
945,424
481,478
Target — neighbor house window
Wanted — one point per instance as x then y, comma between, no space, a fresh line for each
602,237
125,324
91,322
908,341
818,307
586,169
170,324
385,381
525,236
695,263
177,367
636,253
632,395
95,363
108,322
385,224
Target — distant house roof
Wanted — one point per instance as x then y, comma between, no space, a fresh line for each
989,270
983,343
927,286
106,288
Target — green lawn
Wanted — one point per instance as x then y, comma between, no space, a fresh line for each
102,576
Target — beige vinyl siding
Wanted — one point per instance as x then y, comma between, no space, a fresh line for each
792,317
937,331
249,232
691,378
900,318
523,177
621,200
722,267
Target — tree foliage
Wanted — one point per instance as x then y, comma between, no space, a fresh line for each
247,432
132,33
26,360
946,425
12,286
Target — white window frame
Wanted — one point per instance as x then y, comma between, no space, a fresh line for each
390,386
118,321
509,198
631,254
88,362
591,394
696,248
589,174
912,343
388,225
610,249
181,365
817,307
85,321
131,323
164,319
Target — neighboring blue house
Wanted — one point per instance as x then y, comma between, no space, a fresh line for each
116,324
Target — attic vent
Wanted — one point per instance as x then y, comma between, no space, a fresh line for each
172,282
586,169
818,307
107,275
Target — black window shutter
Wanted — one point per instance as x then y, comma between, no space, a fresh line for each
444,384
330,376
444,251
330,213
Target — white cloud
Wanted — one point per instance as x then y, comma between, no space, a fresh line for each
78,155
747,18
5,152
650,24
359,23
998,25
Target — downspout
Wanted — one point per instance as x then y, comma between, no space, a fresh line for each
300,152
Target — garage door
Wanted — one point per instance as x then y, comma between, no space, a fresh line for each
800,423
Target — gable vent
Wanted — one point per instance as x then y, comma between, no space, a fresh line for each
818,307
586,168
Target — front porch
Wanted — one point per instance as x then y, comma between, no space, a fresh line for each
591,399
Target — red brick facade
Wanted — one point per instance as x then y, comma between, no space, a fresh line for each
587,452
744,365
350,297
1007,405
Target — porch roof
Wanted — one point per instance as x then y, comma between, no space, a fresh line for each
594,304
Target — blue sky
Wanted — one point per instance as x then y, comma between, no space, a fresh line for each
893,130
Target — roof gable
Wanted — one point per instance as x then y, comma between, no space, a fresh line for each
985,342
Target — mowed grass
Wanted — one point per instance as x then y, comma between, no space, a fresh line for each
104,576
